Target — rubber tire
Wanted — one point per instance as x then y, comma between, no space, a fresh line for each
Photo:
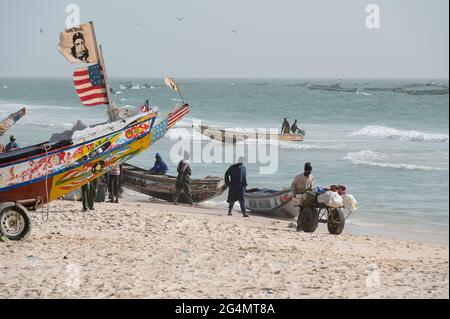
338,215
7,206
309,219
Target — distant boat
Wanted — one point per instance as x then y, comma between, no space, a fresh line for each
8,122
235,136
258,83
333,87
442,91
163,186
271,202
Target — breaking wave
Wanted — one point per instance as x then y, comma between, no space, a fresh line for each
387,132
376,159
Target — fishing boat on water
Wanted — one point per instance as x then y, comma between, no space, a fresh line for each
39,174
233,136
333,87
269,202
163,186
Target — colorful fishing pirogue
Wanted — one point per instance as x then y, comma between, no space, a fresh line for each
38,174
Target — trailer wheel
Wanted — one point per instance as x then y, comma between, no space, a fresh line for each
336,221
14,221
309,219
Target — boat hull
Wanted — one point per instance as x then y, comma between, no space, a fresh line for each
163,186
233,136
52,174
271,202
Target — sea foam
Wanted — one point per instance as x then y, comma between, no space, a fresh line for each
388,132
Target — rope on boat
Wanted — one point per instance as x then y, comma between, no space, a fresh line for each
46,148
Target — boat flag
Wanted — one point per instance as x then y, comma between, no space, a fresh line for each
177,114
11,120
90,85
171,83
77,44
144,107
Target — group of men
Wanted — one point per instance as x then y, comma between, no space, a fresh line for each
286,128
235,178
11,146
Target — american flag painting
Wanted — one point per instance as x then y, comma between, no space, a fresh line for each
90,85
177,114
159,131
161,128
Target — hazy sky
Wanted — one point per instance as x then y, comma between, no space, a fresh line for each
276,38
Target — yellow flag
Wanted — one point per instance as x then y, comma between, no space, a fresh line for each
171,83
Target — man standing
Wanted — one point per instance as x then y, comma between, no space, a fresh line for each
285,128
183,182
12,145
113,184
88,194
303,182
236,180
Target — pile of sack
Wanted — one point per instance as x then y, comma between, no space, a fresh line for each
335,196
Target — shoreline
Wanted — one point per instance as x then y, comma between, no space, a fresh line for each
139,249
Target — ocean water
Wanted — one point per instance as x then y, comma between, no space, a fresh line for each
391,150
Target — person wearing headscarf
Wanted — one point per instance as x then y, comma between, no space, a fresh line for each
160,167
183,182
236,180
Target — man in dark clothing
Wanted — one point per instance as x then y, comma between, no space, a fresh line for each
12,145
159,168
294,128
285,128
236,180
183,182
113,184
88,194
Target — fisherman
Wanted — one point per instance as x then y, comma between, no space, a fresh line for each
160,167
183,182
236,180
88,194
2,147
294,128
12,145
113,184
285,128
303,182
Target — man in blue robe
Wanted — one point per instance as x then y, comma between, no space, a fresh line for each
159,168
236,180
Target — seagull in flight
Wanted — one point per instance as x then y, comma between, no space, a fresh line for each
233,32
180,19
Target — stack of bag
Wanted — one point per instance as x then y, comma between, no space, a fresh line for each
336,197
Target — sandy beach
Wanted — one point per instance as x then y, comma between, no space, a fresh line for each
138,249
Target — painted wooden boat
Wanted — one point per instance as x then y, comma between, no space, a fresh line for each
232,136
11,120
270,202
163,186
41,173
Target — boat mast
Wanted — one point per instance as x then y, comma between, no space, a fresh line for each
111,111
